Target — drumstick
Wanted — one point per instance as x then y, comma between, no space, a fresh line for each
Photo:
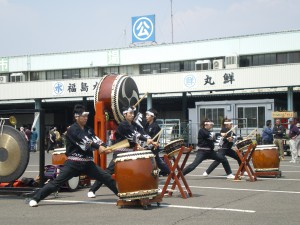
138,102
159,133
255,130
231,129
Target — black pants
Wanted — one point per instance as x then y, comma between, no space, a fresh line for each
110,170
223,151
51,146
72,169
207,154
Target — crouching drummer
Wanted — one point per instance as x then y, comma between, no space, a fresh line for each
80,144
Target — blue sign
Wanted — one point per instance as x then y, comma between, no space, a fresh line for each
58,88
143,28
190,80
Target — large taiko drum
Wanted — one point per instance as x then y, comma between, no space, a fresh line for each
59,156
52,171
116,92
173,147
265,158
136,175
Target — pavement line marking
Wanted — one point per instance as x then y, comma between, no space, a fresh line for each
242,189
258,178
162,205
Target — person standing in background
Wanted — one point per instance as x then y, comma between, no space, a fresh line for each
294,135
279,132
267,134
33,139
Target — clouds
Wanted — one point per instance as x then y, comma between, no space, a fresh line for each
33,27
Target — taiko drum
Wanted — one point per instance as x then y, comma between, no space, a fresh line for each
266,158
136,175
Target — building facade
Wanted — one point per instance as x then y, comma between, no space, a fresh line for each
263,69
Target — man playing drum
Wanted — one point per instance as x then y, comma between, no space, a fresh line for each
127,129
152,128
206,150
80,144
225,146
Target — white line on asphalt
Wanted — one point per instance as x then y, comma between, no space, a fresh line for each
242,189
162,205
258,178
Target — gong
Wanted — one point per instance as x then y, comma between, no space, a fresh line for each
14,154
116,92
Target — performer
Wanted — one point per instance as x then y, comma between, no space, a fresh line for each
152,128
127,129
206,150
225,146
80,144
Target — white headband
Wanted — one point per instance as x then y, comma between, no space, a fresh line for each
209,123
128,110
228,122
150,113
82,114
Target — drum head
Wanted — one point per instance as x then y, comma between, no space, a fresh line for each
14,154
123,93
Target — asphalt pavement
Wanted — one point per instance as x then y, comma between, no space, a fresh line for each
215,200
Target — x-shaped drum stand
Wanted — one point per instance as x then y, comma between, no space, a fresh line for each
176,172
245,157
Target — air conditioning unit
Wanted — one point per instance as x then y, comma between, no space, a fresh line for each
3,79
218,64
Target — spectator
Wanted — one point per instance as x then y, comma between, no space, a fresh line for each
33,139
267,134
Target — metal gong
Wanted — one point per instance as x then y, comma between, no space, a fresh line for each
14,154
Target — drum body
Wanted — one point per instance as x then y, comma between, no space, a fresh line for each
52,171
59,156
116,92
173,147
266,158
243,144
136,175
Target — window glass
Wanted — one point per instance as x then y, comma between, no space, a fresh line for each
255,61
282,58
294,57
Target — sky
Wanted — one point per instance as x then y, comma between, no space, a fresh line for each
29,27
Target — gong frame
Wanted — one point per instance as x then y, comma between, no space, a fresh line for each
26,190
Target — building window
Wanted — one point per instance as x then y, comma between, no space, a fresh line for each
270,59
294,57
214,114
251,117
111,70
71,74
54,75
282,58
90,72
245,61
